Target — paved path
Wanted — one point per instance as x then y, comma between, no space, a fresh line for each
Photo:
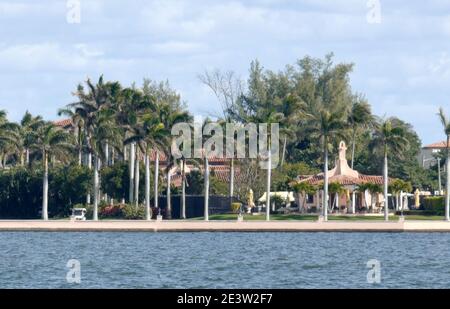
226,226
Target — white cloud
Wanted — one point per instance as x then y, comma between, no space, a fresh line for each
179,47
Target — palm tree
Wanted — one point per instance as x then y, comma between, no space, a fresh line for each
396,187
388,137
78,124
94,107
303,189
336,189
132,104
360,116
149,135
373,189
169,116
53,142
326,124
24,136
8,138
446,123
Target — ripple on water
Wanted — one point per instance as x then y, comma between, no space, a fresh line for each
224,260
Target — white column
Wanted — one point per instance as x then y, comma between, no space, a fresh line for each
147,187
107,154
353,202
89,164
156,179
206,214
318,201
269,171
131,170
401,200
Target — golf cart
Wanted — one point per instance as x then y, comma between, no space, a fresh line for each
78,214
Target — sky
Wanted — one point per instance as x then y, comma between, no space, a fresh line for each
401,49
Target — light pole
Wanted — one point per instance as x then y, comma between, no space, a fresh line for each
439,175
439,170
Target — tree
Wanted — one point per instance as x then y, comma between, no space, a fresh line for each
303,189
336,189
55,142
446,124
396,187
28,125
386,138
149,134
326,124
372,188
8,138
227,88
77,124
95,107
169,116
360,116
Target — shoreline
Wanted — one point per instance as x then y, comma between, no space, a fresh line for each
222,226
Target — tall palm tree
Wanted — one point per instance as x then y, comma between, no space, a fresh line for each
53,142
446,123
78,124
94,107
388,137
132,104
149,135
27,126
8,138
169,116
360,116
326,124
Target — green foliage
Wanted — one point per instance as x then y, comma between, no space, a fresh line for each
217,186
68,185
371,187
21,194
283,176
335,187
131,212
196,184
398,185
434,205
278,201
305,188
115,180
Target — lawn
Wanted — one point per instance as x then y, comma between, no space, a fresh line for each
298,217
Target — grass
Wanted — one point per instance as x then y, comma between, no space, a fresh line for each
298,217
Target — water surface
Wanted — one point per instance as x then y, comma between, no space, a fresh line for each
224,260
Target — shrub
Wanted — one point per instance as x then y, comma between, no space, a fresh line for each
278,200
111,211
131,212
434,205
236,207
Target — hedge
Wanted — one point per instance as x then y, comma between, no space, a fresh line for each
434,205
21,191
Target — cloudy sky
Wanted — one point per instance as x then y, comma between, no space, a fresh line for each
402,64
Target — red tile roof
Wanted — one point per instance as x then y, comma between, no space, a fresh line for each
63,123
342,179
438,145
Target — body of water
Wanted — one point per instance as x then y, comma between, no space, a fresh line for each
224,260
